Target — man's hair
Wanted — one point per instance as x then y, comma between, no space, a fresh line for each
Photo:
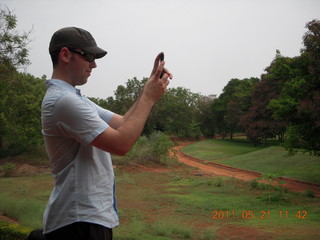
55,57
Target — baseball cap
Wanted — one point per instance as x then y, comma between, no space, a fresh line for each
73,37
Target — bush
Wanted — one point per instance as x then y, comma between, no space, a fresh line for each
10,231
309,193
254,184
152,149
6,169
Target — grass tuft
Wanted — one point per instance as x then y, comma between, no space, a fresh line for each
170,228
28,211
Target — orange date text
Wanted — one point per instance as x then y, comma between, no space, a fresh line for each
263,214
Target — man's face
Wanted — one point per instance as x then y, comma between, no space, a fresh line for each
81,68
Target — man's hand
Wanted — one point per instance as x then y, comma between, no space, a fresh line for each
156,86
124,131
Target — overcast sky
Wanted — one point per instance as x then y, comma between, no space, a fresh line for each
206,42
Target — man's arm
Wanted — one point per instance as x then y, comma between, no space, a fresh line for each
117,120
124,131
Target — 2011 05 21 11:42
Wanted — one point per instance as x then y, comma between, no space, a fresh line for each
262,214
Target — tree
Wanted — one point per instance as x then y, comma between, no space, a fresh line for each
258,123
125,96
20,104
13,45
299,100
175,113
234,101
204,115
21,94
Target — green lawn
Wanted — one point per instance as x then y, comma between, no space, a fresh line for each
269,160
218,150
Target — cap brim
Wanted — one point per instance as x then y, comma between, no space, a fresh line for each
99,52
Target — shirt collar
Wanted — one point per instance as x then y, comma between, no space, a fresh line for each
62,84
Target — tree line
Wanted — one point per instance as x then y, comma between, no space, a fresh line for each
283,104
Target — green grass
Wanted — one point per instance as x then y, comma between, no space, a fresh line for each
268,160
275,160
24,198
176,205
219,149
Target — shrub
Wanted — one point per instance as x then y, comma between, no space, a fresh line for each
309,193
154,148
218,182
10,231
7,169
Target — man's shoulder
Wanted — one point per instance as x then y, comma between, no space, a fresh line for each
55,96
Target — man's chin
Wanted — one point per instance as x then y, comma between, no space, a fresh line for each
80,83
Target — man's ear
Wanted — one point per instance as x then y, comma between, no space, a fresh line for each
65,55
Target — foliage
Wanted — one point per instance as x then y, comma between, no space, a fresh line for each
13,45
21,94
20,113
231,105
204,115
283,104
10,231
152,149
176,112
6,169
299,99
258,122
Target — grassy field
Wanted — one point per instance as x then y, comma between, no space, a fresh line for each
178,204
268,160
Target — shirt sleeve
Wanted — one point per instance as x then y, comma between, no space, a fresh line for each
77,119
104,114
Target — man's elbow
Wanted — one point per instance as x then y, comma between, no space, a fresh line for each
122,152
117,149
111,141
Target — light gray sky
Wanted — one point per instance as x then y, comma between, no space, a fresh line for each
206,42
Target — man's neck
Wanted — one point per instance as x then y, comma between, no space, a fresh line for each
58,75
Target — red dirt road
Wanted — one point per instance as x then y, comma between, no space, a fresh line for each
222,170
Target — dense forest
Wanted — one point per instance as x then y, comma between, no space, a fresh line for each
283,104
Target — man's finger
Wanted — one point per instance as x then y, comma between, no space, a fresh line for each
167,72
159,70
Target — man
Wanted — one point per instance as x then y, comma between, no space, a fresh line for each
79,137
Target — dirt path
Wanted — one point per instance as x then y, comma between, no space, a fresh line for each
222,170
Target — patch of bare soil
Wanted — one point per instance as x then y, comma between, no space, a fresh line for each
142,168
25,169
8,219
236,232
